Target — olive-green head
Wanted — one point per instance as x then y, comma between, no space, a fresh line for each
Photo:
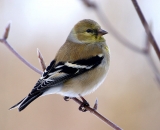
87,31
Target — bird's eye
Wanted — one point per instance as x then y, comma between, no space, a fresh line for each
89,31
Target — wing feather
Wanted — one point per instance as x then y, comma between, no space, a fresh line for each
62,71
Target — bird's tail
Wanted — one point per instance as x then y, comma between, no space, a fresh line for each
25,102
17,105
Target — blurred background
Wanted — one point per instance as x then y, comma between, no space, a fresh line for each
130,95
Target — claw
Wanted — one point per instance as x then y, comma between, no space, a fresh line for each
83,105
66,98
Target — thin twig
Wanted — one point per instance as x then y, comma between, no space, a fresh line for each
156,71
151,62
40,72
95,107
146,27
147,49
4,40
89,3
147,54
41,61
5,36
98,115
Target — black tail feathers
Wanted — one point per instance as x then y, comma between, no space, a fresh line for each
25,102
16,105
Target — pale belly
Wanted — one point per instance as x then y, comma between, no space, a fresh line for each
84,84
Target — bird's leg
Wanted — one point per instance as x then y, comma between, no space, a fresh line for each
83,105
66,98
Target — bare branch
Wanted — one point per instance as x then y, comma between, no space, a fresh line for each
16,53
146,27
95,107
98,115
149,58
89,3
154,68
41,61
147,43
5,36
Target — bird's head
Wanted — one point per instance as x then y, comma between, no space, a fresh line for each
87,31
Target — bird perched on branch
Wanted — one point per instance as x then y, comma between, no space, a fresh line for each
79,67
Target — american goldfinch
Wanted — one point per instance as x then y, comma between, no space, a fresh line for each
79,67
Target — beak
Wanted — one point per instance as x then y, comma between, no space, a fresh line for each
102,32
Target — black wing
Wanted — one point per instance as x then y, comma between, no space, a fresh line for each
57,74
65,71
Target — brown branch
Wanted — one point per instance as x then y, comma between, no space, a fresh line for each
41,61
95,107
5,36
4,40
147,54
146,27
89,4
156,72
150,60
92,110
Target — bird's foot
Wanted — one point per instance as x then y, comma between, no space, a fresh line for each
83,105
66,98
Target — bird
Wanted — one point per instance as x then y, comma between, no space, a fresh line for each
79,67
